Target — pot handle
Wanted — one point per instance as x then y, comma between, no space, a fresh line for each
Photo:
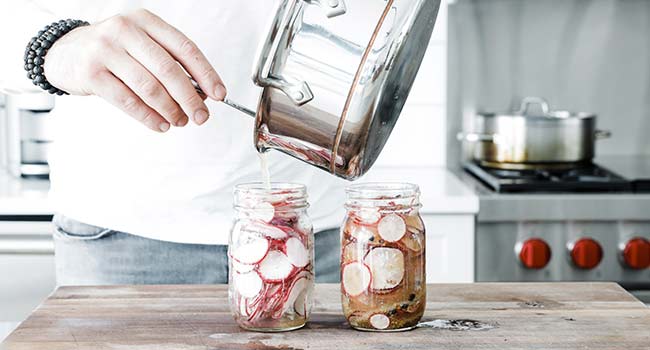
476,137
526,102
602,134
299,93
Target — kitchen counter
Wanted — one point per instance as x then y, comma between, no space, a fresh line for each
467,316
23,196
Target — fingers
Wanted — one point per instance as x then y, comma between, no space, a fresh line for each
118,94
167,70
144,84
184,51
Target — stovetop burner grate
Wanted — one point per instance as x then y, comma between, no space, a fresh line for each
586,178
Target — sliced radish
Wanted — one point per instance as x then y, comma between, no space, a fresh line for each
379,321
386,266
414,222
368,216
304,224
413,241
249,249
304,301
361,233
356,278
264,211
296,252
266,230
391,228
243,309
241,268
275,267
248,285
297,288
351,252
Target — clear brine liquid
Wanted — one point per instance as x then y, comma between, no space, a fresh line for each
264,165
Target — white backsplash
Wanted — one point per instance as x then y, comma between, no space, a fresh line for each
419,136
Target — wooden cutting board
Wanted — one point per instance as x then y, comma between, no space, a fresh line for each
462,316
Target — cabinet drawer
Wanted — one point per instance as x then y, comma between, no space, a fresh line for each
26,267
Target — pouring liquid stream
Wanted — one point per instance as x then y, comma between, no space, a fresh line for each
264,166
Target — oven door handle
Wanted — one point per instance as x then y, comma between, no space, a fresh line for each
26,246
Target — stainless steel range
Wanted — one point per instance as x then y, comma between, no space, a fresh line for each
594,228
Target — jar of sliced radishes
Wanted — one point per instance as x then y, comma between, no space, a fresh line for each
271,258
383,285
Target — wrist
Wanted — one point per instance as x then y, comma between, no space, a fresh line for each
38,47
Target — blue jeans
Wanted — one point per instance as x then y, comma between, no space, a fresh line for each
91,255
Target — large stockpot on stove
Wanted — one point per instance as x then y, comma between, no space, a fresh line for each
534,136
336,75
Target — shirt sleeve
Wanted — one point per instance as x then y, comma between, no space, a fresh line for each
19,21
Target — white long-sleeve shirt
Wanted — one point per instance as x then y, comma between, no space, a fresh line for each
110,171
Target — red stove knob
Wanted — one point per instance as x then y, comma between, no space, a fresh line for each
636,253
534,253
586,253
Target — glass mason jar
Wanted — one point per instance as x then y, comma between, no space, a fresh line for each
383,286
271,257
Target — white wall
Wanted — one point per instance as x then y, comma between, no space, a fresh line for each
419,136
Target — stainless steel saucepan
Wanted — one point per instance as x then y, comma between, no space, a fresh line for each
534,136
336,75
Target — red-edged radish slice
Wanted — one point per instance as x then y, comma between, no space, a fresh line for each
304,301
379,321
243,309
414,222
361,233
304,224
275,267
386,266
263,211
413,241
266,230
356,278
391,228
296,252
368,216
297,288
248,285
249,249
241,268
352,251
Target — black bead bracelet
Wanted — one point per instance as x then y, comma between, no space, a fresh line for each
37,49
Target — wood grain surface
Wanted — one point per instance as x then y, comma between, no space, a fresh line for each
507,315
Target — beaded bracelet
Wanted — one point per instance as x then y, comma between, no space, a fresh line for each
37,49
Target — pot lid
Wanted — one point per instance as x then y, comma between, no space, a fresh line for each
386,74
537,107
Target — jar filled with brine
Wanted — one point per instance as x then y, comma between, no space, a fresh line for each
383,286
271,258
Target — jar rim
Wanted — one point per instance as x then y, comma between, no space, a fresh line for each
290,196
385,190
275,188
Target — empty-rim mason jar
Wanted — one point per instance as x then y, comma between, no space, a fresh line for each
271,257
383,286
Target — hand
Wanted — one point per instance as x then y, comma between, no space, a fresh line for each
136,62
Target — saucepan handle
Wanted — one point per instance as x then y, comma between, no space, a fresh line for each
476,137
602,134
299,93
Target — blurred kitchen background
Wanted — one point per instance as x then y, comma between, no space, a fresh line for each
485,55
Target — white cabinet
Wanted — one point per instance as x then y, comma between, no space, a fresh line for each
27,273
449,248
